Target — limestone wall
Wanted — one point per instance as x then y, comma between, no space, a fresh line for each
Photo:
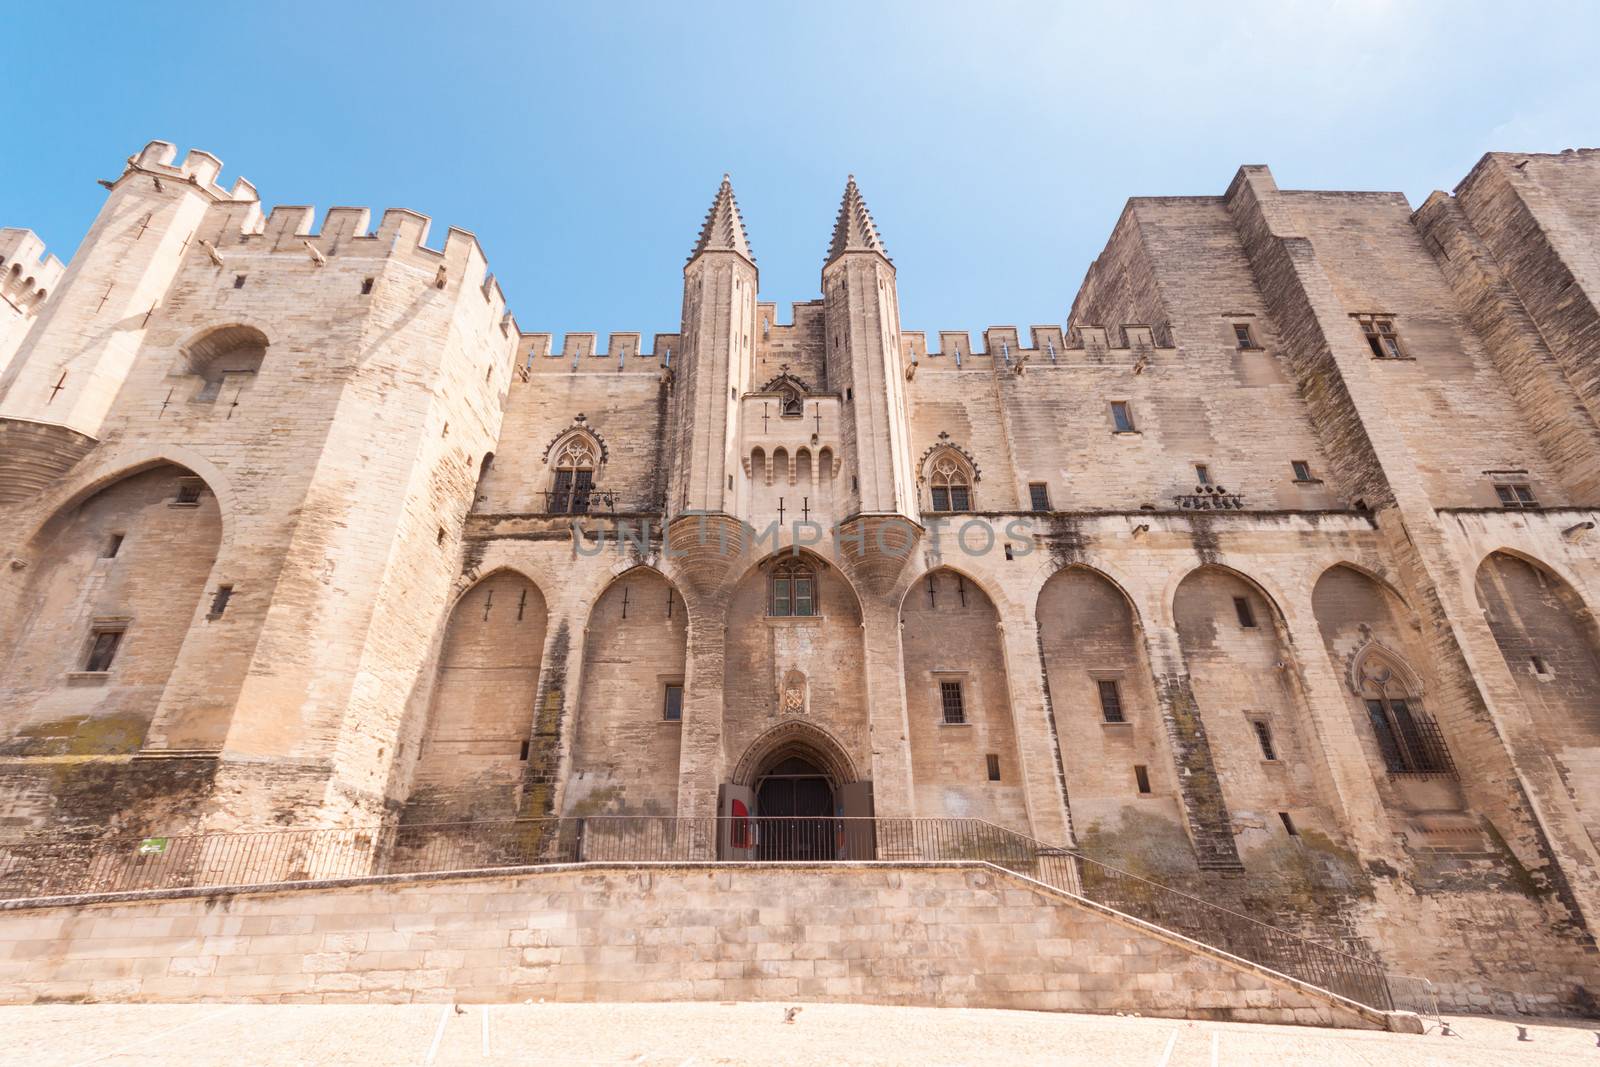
961,936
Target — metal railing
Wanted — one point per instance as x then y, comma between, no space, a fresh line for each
57,868
579,501
1209,498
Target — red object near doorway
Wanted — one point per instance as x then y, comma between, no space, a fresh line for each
739,834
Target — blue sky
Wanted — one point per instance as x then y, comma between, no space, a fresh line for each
995,142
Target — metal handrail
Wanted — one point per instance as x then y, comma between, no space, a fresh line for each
34,869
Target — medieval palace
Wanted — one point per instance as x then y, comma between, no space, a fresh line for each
1271,575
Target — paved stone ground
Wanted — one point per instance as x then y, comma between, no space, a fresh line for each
683,1035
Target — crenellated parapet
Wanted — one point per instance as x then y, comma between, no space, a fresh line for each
236,234
28,274
1134,345
581,352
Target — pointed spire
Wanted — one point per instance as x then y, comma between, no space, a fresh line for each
854,230
724,229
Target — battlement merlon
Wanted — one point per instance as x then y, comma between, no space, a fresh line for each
198,168
1004,342
234,220
23,255
579,351
290,228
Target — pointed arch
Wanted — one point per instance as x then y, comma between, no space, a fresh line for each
1103,705
1549,642
1368,633
625,734
965,756
796,737
118,582
470,761
792,665
1245,681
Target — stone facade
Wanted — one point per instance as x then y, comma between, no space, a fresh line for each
897,934
1220,583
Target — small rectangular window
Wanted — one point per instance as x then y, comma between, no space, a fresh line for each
1302,470
1122,416
1243,337
238,281
1264,739
1110,701
955,710
1540,667
993,760
188,493
1381,336
1247,615
1141,777
524,756
1202,473
1039,496
672,707
219,602
103,650
366,286
1288,824
113,546
1515,495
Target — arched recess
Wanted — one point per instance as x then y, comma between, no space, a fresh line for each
964,757
625,737
806,667
117,583
482,708
1383,668
1108,720
1245,683
1550,645
793,738
224,357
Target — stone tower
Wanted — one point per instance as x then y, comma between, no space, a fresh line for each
863,353
719,314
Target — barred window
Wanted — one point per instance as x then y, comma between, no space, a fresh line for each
1409,741
1110,701
950,699
1122,416
672,705
103,650
1264,739
1039,496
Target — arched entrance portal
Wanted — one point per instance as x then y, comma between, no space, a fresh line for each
795,805
795,795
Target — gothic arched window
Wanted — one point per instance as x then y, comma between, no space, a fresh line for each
793,590
950,483
793,404
574,462
1407,737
